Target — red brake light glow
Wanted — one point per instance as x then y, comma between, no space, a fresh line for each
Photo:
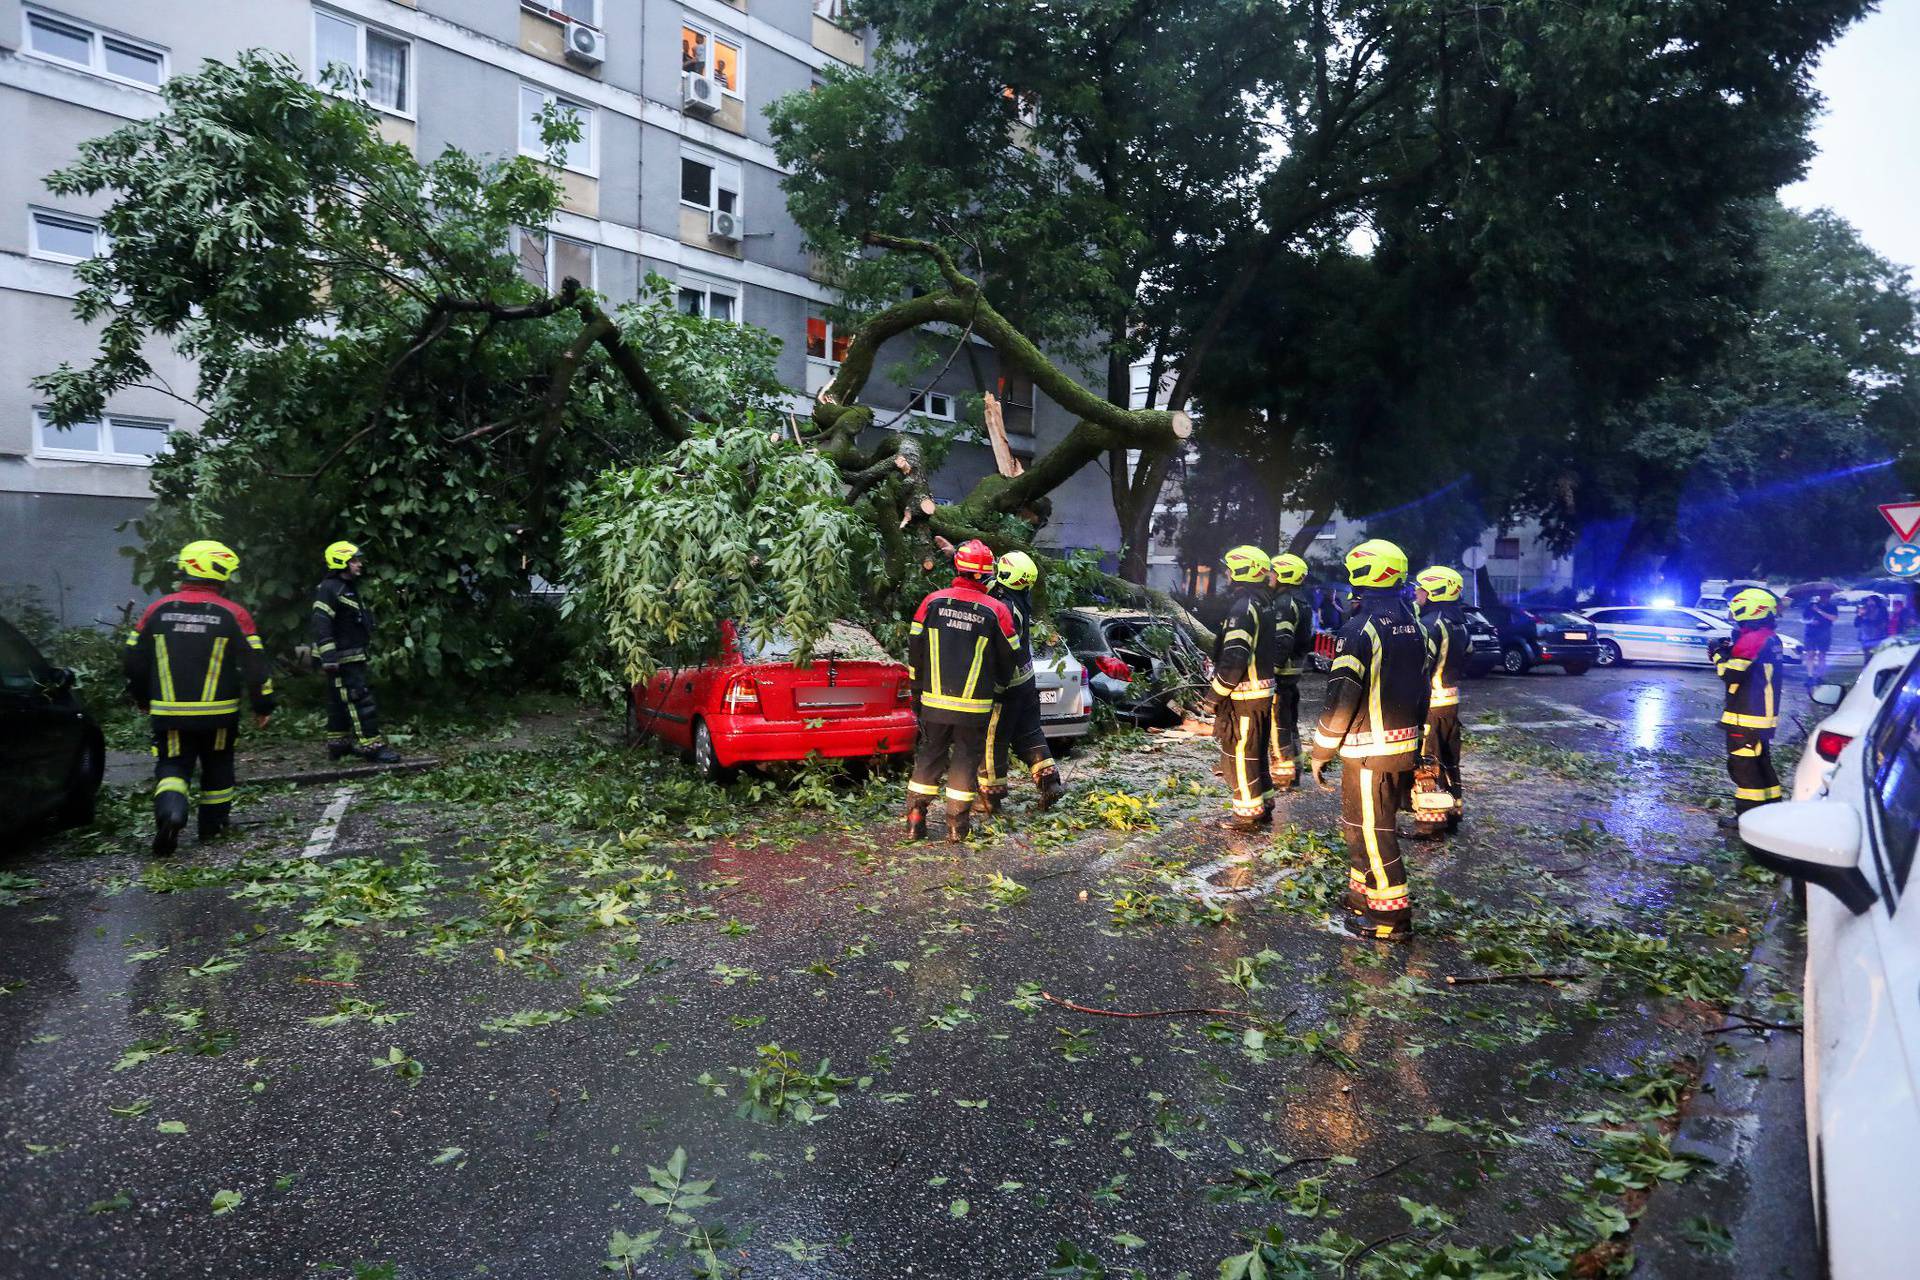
742,695
1829,745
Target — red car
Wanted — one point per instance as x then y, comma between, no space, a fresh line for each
751,704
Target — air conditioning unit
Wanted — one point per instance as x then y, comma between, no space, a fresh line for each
723,225
586,45
699,94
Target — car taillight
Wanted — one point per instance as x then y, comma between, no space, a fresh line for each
903,693
1112,666
1086,676
742,695
1829,745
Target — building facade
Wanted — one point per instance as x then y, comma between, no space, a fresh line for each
674,174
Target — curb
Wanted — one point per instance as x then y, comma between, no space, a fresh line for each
346,773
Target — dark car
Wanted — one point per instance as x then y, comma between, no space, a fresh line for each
51,751
1483,653
1137,662
1543,636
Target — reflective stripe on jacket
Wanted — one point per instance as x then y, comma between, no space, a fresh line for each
1751,672
340,627
1379,687
1447,634
963,647
192,656
1245,651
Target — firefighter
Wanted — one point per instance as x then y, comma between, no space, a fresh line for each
1241,694
1376,708
1750,668
1293,628
1014,728
964,645
1437,597
341,629
187,662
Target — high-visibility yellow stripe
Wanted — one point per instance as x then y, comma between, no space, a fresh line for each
323,607
133,638
1736,664
1259,691
165,785
947,702
164,667
1738,720
962,796
1445,697
973,672
1752,749
225,706
933,660
253,642
1367,751
1242,785
922,789
918,627
1367,834
1750,793
266,688
988,776
173,742
1221,687
1766,683
212,682
222,796
1228,638
1326,740
219,739
1376,717
1345,662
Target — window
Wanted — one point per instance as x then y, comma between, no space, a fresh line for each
584,12
377,64
708,182
1506,548
578,155
823,343
712,55
1893,765
61,237
933,404
547,260
134,441
705,298
833,10
117,58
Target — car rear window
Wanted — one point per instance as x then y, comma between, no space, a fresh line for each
1555,618
1895,774
21,667
842,640
1081,632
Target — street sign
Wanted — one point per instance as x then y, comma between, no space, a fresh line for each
1475,556
1903,561
1904,517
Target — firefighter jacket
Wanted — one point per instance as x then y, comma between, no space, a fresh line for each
1378,690
1247,650
964,645
191,656
341,627
1020,604
1447,637
1292,615
1751,672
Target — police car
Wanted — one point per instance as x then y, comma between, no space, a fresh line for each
1664,633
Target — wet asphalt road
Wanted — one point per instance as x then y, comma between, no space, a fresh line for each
449,1031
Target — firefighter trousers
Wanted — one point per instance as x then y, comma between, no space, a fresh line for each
1750,765
1283,761
950,756
1241,726
352,716
1443,748
1014,730
1376,876
175,754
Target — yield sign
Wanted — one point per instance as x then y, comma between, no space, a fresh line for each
1904,517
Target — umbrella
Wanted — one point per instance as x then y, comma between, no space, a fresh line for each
1819,588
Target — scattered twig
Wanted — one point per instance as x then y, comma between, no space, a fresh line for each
1454,980
1161,1013
324,982
1741,1022
1346,1268
1422,1155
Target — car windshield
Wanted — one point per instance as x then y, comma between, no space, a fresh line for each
1081,632
842,640
1896,773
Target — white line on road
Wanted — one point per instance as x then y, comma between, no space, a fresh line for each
321,841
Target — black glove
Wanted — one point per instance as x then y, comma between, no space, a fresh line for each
1319,767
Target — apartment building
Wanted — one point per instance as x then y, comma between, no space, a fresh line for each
674,174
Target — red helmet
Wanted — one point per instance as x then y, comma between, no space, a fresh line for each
974,558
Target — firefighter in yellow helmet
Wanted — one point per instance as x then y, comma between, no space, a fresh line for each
1015,726
188,660
1375,712
1437,591
1293,640
1241,696
1749,666
341,630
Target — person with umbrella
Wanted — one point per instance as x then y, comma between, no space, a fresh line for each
1819,614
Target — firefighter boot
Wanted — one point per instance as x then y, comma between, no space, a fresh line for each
987,803
1052,787
377,753
1361,924
959,815
169,820
917,817
1286,775
213,826
339,748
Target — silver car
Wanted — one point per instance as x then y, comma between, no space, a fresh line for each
1066,701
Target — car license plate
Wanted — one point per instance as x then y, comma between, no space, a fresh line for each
1576,635
817,697
1049,696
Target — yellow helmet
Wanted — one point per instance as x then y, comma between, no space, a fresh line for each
1376,563
1290,569
1441,584
340,553
1016,571
1247,564
213,561
1752,605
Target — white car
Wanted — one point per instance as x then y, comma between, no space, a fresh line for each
1066,700
1853,710
1853,844
1664,633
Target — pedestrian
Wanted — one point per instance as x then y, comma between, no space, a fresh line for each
1749,666
963,645
192,654
1436,596
1240,694
1293,624
1375,712
1870,621
1015,727
342,632
1817,636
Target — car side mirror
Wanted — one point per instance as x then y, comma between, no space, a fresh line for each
60,678
1828,695
1815,841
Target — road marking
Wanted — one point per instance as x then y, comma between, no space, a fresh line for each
321,841
1587,722
1591,717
